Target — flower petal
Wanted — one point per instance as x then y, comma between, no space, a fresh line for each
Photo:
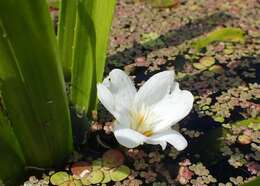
106,98
173,108
121,87
128,137
171,136
155,89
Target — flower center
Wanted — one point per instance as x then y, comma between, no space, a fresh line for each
142,120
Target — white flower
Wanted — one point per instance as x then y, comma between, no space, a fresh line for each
146,116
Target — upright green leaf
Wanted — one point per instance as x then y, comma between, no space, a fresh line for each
33,89
91,39
11,157
102,15
66,28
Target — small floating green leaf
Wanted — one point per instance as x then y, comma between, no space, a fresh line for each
217,69
59,178
163,3
120,173
107,177
221,34
71,183
204,63
150,40
85,181
219,119
96,164
207,61
250,122
95,177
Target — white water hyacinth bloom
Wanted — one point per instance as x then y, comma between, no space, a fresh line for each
146,116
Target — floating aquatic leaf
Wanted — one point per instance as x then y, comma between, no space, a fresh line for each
249,122
107,177
71,183
219,119
198,66
59,178
113,158
120,173
152,39
95,177
207,61
81,169
217,69
244,139
96,164
163,3
204,63
221,34
85,181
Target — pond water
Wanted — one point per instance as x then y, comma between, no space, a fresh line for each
213,46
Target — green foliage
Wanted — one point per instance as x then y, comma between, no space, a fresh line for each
67,21
250,122
120,173
220,34
59,178
31,79
163,3
95,177
255,182
32,82
150,40
109,168
11,158
91,38
54,3
204,63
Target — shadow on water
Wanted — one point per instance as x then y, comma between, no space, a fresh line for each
175,37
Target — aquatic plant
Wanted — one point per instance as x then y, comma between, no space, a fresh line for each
146,116
221,34
33,96
163,3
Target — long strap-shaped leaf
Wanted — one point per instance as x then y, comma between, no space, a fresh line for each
92,32
32,82
11,158
66,29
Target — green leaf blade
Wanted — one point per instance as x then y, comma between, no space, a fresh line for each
67,21
11,157
92,33
32,82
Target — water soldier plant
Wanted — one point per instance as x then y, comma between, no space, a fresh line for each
35,119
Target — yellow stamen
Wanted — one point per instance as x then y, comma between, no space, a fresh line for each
148,133
140,120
